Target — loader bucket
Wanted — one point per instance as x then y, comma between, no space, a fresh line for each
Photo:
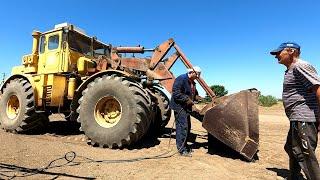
234,121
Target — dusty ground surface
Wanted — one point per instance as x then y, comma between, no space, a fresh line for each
25,156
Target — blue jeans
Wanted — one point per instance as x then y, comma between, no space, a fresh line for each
183,126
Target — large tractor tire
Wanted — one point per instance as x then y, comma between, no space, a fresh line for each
114,111
17,112
164,113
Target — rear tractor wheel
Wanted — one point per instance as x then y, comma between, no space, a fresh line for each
114,111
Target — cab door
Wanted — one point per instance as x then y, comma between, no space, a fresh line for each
50,53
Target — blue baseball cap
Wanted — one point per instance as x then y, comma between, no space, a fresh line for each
285,45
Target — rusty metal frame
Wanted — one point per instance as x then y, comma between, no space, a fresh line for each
160,52
157,67
187,63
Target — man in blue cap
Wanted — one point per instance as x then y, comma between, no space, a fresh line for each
301,97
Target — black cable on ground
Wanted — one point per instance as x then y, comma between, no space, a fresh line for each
70,157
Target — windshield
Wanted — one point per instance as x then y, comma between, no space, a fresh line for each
82,44
100,49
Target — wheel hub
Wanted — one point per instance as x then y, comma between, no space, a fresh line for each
13,107
107,112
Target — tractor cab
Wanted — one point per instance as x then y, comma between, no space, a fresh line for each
64,49
71,48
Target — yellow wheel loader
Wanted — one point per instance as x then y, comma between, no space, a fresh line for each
115,98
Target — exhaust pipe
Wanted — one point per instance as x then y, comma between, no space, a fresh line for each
35,43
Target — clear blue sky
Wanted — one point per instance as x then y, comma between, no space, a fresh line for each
230,40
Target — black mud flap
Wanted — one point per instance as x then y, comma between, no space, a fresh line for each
234,120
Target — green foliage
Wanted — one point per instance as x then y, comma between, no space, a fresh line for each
219,90
267,101
206,99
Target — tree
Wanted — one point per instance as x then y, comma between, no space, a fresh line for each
219,90
267,101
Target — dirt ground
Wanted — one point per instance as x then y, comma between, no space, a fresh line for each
29,156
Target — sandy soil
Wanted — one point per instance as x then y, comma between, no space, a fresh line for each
27,156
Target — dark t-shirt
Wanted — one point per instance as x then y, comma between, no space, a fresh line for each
299,101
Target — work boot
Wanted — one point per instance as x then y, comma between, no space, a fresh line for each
186,153
190,150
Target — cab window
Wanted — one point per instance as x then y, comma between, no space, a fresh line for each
53,42
79,43
100,49
42,44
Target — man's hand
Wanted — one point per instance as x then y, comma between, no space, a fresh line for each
199,98
189,102
195,109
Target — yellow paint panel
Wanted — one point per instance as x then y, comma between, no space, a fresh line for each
58,89
84,64
39,82
17,70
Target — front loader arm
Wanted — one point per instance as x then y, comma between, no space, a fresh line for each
162,71
187,63
158,67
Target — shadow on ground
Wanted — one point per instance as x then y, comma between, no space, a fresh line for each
146,142
216,147
284,173
213,145
151,139
63,128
